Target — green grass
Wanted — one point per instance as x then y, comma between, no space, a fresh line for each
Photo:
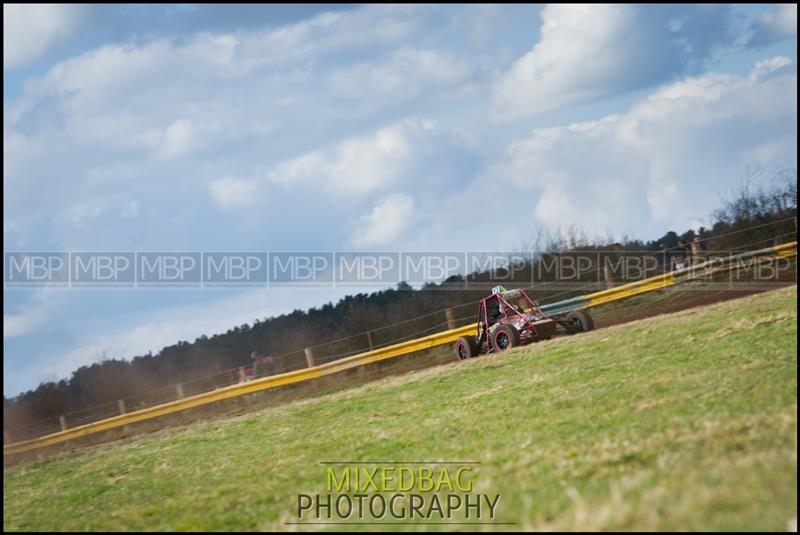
685,421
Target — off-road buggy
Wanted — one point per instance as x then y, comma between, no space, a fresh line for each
509,318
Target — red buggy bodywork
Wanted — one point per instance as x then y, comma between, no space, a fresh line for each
510,318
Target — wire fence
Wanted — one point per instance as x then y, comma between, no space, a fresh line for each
456,315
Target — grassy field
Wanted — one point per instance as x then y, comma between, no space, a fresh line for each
685,421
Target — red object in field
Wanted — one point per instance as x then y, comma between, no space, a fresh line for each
509,318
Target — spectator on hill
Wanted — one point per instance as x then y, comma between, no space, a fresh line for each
680,255
268,363
698,250
255,357
263,365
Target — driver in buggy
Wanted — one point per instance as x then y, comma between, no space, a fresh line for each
486,326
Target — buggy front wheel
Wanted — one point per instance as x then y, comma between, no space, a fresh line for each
505,337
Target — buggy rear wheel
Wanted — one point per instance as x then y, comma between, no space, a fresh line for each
580,321
505,337
466,348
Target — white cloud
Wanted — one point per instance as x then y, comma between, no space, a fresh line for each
767,66
22,323
163,118
360,164
177,138
770,153
175,95
31,316
658,166
385,223
661,165
778,23
31,30
406,74
592,51
232,192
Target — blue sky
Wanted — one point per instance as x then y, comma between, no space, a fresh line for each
311,127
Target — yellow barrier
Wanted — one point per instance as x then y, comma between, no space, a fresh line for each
658,282
629,290
376,355
787,250
241,389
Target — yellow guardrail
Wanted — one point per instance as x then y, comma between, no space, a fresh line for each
658,282
241,389
787,250
376,355
629,290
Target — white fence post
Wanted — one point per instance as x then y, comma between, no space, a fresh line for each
369,340
608,276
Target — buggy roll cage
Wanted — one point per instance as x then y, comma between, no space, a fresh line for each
505,307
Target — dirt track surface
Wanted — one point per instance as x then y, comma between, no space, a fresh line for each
683,301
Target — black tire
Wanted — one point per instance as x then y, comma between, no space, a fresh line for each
466,348
580,321
505,337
